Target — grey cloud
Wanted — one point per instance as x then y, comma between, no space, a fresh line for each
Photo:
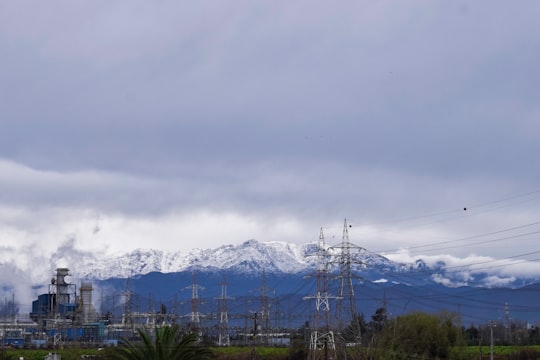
310,110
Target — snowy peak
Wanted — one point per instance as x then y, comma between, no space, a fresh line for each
249,257
253,258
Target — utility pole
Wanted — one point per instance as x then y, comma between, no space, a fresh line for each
491,326
322,344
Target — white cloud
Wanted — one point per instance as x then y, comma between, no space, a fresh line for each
199,124
496,281
489,271
438,278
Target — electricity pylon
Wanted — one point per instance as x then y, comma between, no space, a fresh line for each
265,311
224,339
195,315
346,289
321,343
127,318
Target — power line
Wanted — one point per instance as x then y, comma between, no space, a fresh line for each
460,210
468,238
495,260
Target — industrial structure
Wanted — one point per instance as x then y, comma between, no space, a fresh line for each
65,314
57,316
346,301
224,336
322,344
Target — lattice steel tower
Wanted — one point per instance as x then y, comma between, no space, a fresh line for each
223,339
195,315
265,311
321,343
346,289
127,316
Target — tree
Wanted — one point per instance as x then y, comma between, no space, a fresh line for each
472,335
164,344
419,335
355,329
379,318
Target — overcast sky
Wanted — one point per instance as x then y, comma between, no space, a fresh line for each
180,124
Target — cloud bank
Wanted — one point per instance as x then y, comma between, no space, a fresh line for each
173,125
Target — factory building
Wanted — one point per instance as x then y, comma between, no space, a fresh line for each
59,315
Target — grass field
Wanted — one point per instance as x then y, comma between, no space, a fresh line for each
240,353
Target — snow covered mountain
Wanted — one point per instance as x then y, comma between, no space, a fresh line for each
250,257
253,258
290,272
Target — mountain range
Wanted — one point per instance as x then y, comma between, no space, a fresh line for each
288,272
253,257
248,258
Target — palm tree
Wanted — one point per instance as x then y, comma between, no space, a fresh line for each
163,345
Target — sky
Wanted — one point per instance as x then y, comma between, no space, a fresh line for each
175,125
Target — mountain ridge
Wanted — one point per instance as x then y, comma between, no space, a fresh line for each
247,257
253,257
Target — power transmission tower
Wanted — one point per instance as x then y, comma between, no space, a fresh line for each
277,313
175,309
151,315
265,310
195,315
321,343
127,318
346,289
507,323
223,339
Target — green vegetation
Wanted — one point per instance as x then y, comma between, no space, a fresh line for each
499,352
262,353
165,343
419,335
415,335
40,354
294,353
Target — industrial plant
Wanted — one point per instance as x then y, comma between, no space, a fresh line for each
317,311
65,314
